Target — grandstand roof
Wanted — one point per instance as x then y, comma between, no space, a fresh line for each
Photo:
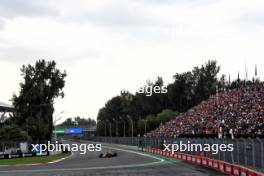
6,107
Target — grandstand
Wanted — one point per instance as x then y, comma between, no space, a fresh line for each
5,107
235,112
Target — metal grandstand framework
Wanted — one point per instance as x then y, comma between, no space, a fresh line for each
5,108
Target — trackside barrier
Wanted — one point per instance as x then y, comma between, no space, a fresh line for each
175,155
243,172
184,157
235,170
215,165
199,160
179,156
204,161
189,158
220,166
210,163
228,168
168,154
193,159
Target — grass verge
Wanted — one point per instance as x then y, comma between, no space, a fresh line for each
32,160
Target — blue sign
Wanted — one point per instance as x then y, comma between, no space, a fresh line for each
74,131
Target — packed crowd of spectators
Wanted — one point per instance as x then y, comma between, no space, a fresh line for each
233,112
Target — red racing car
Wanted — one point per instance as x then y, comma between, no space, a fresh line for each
108,154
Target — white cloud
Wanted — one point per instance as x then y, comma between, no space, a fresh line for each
110,45
30,8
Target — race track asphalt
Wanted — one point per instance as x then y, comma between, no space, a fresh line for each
127,163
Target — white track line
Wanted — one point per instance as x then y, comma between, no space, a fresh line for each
59,160
138,153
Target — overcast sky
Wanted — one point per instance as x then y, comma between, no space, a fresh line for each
109,45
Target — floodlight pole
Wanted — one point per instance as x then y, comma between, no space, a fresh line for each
54,123
116,128
132,128
145,122
124,126
110,129
105,128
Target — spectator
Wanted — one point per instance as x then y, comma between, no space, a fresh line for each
234,112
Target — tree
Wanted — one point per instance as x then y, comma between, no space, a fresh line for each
166,115
187,90
206,80
68,122
181,92
78,121
42,83
13,133
151,122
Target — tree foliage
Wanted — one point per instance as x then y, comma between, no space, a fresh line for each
148,112
187,90
78,121
14,133
42,83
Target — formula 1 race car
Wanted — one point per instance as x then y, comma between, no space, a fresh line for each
108,154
